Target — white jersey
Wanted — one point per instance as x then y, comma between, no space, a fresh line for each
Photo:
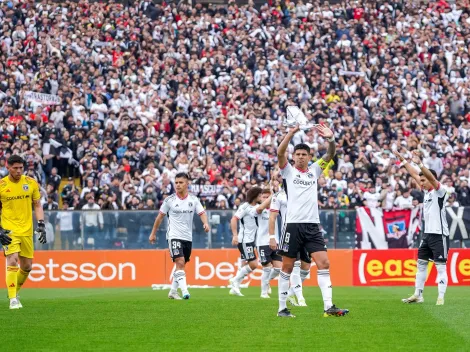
180,214
435,220
302,193
248,218
263,229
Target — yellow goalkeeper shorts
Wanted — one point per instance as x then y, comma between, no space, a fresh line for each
21,244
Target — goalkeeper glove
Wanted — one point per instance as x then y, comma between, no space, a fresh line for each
41,232
5,240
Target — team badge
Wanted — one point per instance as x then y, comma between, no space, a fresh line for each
309,175
190,204
176,252
25,187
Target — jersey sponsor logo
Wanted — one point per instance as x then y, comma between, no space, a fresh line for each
398,267
17,197
25,188
182,211
303,183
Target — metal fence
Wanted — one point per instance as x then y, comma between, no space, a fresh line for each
131,229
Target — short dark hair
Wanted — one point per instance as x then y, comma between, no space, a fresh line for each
15,159
266,191
434,173
182,175
302,146
253,193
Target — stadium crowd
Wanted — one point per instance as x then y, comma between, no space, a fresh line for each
148,90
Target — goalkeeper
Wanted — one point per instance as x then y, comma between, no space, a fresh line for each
19,194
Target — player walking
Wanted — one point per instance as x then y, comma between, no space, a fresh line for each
301,229
247,214
270,260
180,209
301,267
435,243
17,192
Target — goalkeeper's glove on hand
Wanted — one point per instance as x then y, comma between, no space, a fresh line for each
41,232
5,240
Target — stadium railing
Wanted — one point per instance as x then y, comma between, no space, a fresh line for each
131,229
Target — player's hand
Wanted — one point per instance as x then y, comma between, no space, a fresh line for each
152,238
235,241
324,131
398,155
294,130
206,228
273,244
41,232
5,239
416,157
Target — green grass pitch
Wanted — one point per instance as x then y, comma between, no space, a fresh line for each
145,320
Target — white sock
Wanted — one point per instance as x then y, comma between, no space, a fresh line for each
324,282
174,284
242,273
274,273
283,290
180,277
304,274
441,279
296,285
265,280
421,277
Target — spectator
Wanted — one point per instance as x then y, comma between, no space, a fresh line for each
404,201
92,222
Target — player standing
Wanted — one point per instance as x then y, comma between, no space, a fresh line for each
270,260
301,229
180,209
435,242
301,267
17,193
247,214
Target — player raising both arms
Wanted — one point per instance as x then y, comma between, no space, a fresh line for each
19,194
435,243
247,215
180,209
301,230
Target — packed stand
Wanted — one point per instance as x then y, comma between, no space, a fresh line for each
147,91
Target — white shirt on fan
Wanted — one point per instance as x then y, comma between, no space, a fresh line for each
180,212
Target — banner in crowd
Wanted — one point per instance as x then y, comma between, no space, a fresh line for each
143,268
397,267
380,229
42,98
351,73
206,190
261,156
98,44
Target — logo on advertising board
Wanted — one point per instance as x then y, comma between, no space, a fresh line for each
398,268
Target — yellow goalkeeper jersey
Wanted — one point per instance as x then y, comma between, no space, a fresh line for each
17,204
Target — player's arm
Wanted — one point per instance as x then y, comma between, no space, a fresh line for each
156,225
234,228
40,231
327,133
272,228
205,222
5,239
281,150
417,159
264,205
411,170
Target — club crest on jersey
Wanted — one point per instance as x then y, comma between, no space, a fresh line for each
190,204
25,187
309,175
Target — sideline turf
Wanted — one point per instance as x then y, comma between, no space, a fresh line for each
145,320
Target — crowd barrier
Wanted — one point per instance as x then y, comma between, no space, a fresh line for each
342,229
214,267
